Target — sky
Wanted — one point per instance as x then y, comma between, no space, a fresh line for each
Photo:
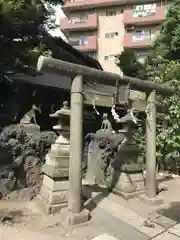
58,15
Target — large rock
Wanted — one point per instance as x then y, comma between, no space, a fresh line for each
21,156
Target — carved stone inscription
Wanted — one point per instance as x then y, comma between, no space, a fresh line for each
32,170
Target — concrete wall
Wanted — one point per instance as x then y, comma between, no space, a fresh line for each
111,46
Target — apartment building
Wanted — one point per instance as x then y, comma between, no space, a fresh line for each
103,28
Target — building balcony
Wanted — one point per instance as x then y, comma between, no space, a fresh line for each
137,41
88,44
156,16
71,5
90,23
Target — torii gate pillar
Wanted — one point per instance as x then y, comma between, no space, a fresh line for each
151,184
76,213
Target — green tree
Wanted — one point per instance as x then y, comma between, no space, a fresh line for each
23,29
167,44
168,123
129,64
169,131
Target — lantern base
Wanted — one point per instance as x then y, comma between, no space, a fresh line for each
128,185
53,195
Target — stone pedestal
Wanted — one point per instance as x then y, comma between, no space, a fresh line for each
128,178
30,128
129,185
53,195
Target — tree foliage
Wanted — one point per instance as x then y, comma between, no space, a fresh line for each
129,64
162,66
168,123
168,130
23,28
167,44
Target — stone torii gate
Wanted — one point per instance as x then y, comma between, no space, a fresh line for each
80,75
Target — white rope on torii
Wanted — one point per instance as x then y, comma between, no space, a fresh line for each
117,118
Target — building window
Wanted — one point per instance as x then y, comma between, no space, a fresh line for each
91,12
144,10
92,54
79,19
129,29
142,35
78,42
111,35
83,41
110,58
110,13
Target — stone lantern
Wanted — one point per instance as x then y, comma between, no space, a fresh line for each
54,192
128,175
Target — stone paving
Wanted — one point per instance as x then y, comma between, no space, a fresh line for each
129,225
112,219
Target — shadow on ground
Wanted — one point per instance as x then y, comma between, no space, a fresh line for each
165,179
172,212
91,202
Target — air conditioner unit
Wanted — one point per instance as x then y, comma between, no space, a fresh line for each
130,28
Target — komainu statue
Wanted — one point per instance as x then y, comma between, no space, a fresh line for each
106,125
100,153
30,115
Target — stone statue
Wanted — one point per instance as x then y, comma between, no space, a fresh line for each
101,149
30,115
106,125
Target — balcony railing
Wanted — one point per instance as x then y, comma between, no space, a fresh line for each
134,40
69,25
143,17
89,4
86,44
